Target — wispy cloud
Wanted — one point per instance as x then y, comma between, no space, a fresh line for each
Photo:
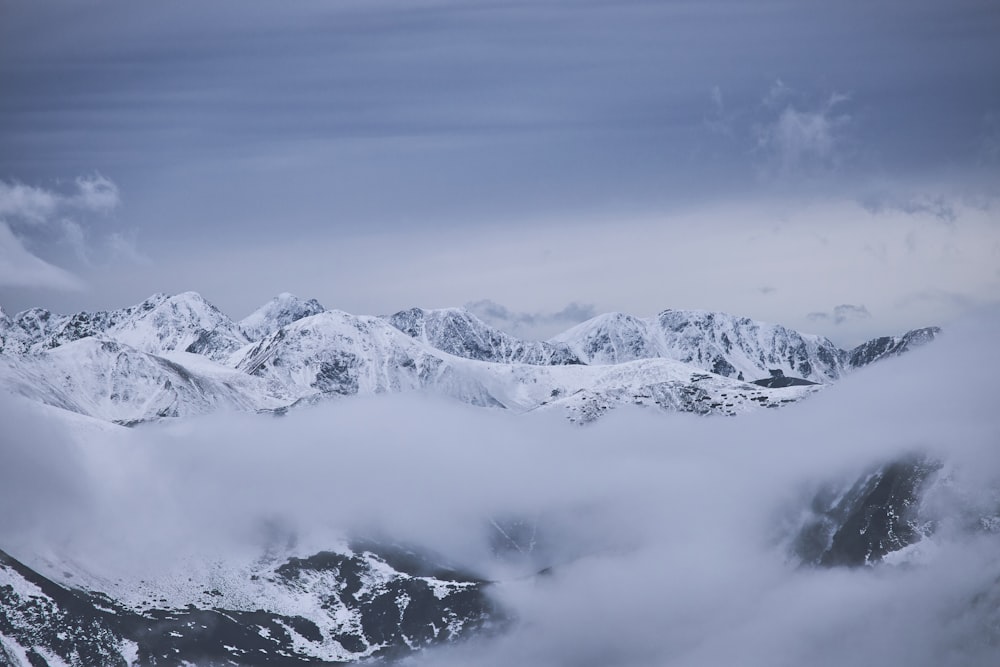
935,205
531,325
25,203
777,95
665,535
845,312
34,216
123,246
21,203
20,268
801,136
719,119
944,298
95,193
989,139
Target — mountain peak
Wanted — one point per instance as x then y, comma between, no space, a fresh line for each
280,311
292,350
182,322
721,343
609,338
890,346
459,332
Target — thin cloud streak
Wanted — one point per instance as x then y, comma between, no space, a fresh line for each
531,326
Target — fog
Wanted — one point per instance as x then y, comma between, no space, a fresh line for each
664,538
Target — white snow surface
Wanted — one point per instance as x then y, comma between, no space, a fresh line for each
247,581
459,332
114,382
276,313
173,356
159,324
716,342
177,322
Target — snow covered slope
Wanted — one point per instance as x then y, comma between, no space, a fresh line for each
459,332
161,323
735,347
329,607
335,353
276,313
584,393
184,323
114,382
179,355
889,346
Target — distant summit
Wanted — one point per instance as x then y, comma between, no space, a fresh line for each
459,332
276,313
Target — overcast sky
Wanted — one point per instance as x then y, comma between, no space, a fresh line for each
831,166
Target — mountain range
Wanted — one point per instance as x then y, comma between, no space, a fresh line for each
179,355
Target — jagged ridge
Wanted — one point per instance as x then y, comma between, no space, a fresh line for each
179,355
326,608
459,332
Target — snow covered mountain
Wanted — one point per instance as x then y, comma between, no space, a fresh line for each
182,323
111,381
459,332
173,356
160,324
276,313
731,346
862,521
337,354
889,346
305,605
358,601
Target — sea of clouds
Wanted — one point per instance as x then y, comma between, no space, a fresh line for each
661,539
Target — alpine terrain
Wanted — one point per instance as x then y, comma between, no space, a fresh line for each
175,356
298,603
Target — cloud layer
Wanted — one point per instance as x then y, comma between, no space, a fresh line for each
515,141
531,326
667,537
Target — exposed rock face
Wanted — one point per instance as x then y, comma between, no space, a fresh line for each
280,311
716,342
875,516
335,353
179,356
114,382
328,608
459,332
889,346
172,356
158,325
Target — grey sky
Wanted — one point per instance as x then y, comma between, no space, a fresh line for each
379,155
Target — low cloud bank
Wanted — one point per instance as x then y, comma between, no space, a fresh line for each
533,326
664,538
